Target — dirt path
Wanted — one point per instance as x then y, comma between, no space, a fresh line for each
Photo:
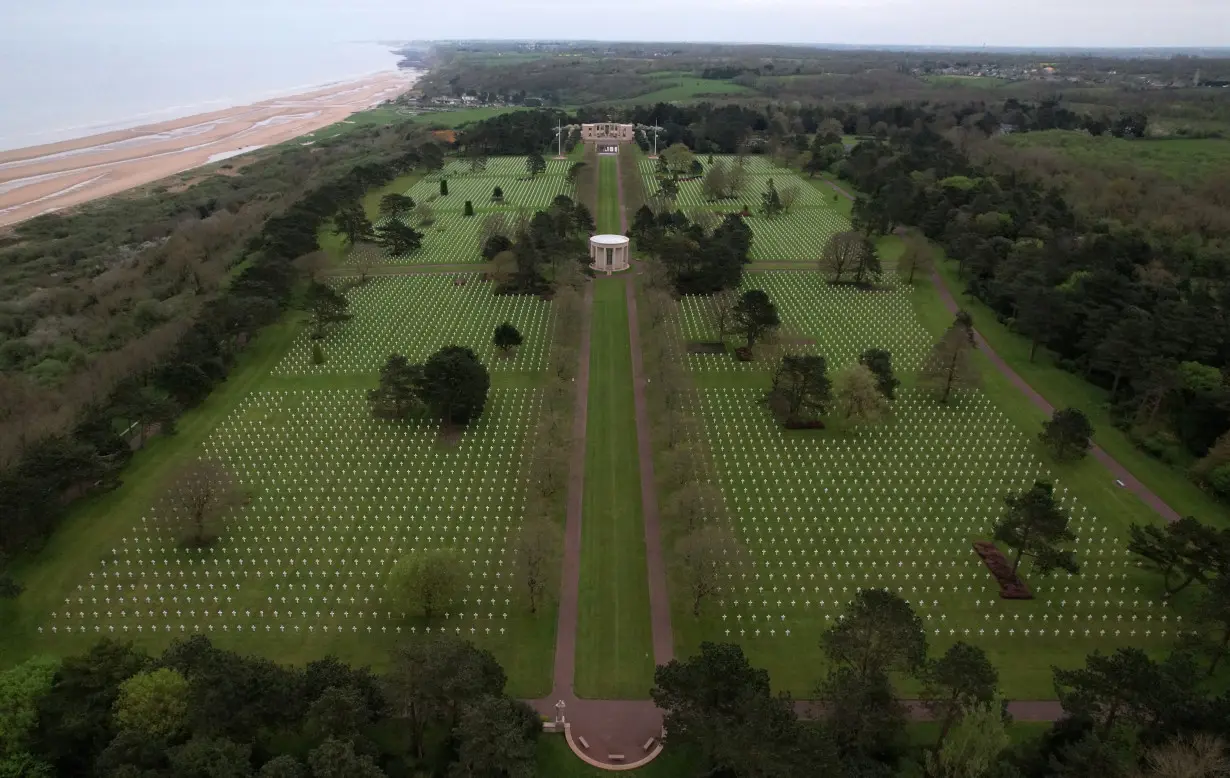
406,270
659,596
566,627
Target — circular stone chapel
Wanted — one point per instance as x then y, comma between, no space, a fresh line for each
609,253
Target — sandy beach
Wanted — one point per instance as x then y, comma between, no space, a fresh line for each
40,179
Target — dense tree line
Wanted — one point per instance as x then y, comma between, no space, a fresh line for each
532,256
516,134
46,467
1140,313
197,711
699,261
1126,713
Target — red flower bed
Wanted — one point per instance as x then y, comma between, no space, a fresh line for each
743,354
1011,587
814,424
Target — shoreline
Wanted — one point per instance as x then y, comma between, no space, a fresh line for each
53,176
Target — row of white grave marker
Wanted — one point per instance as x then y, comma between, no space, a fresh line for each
897,506
338,498
838,322
416,315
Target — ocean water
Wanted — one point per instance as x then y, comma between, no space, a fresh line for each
53,91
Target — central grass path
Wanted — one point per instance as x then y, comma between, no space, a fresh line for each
614,649
607,217
614,658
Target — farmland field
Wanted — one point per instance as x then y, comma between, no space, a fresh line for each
676,89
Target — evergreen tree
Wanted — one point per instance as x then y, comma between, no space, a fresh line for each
755,314
1068,434
771,201
880,363
506,337
950,364
1035,525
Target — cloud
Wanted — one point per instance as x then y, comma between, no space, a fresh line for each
1081,23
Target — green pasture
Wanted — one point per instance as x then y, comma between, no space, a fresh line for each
680,89
982,82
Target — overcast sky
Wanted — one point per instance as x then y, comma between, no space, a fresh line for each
1079,23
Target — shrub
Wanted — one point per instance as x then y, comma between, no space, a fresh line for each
1219,479
318,354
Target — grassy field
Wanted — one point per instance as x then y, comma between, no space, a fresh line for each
614,642
334,245
679,89
821,513
413,315
1189,160
985,82
336,497
385,115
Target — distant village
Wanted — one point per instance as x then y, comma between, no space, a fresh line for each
1053,73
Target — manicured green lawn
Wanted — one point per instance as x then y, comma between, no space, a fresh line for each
335,245
614,642
1064,389
95,523
608,196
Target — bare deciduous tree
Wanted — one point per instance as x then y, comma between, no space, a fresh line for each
199,500
857,396
538,548
693,502
842,254
700,554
